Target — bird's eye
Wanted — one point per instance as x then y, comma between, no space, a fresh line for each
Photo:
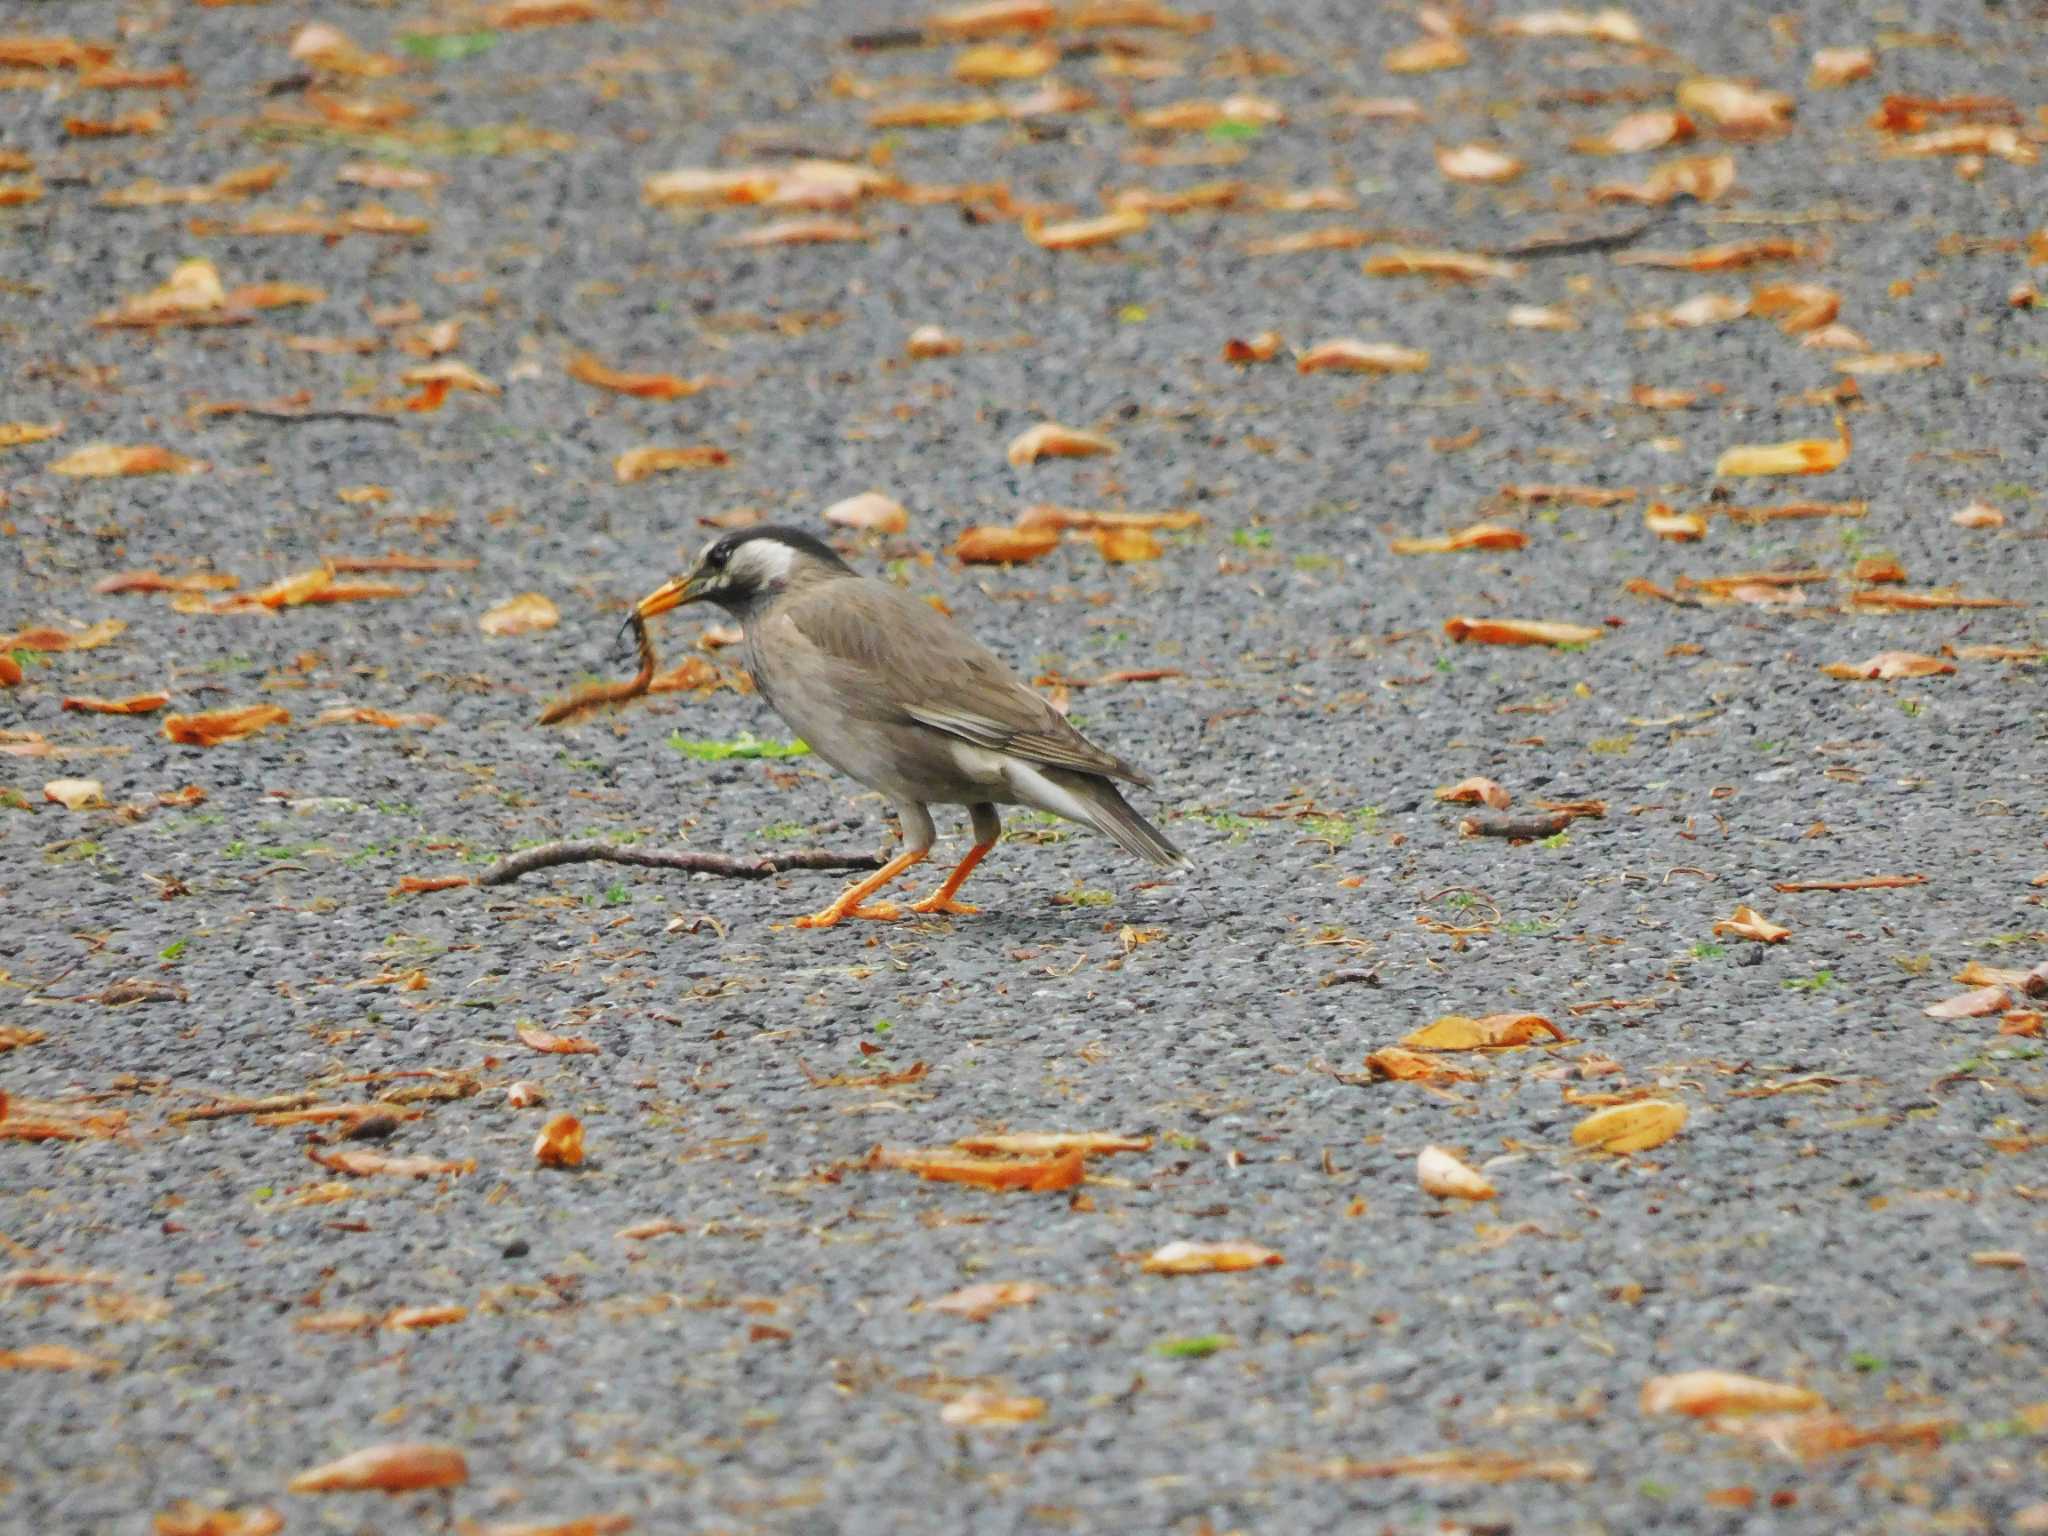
717,557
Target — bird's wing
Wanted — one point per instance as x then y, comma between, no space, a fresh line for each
901,659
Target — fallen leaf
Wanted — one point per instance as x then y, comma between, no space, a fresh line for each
359,714
1457,266
978,1303
1051,440
1801,308
1637,132
76,794
1043,515
513,15
18,434
1727,257
1445,1177
103,460
871,512
1121,546
560,1143
993,63
1702,309
396,1468
1865,883
1748,923
1840,66
1406,1066
1202,116
1051,1143
1481,164
588,1525
1201,196
1186,1258
407,1319
1608,25
1262,348
414,885
986,545
1870,364
1352,356
1476,792
1538,317
929,341
1940,597
527,614
560,1045
1456,1032
1061,1170
1740,111
992,18
1079,234
1801,456
213,727
1477,536
1978,514
1701,1394
1426,56
638,463
450,373
1999,139
54,1357
362,1163
587,369
1577,495
156,581
1888,666
1704,178
1972,1005
189,1518
1631,1127
1519,632
1681,527
984,1409
11,673
798,232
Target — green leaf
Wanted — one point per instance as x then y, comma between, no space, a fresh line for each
1199,1347
1233,128
171,951
1866,1362
443,46
746,744
1133,314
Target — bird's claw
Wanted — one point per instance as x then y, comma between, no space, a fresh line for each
880,912
946,905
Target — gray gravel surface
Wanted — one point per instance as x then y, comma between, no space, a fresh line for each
774,1365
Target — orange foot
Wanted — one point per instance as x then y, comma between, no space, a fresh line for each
880,912
938,901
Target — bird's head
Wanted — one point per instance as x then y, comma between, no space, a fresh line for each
739,570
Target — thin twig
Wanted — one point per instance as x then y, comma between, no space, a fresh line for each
316,413
732,866
1577,245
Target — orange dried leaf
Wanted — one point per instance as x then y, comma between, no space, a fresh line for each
1540,317
560,1143
1889,666
1637,132
929,341
637,464
870,512
101,460
360,714
513,15
1331,238
1481,164
1872,364
54,1357
1445,1177
978,1303
1050,440
798,232
450,374
1455,266
49,638
361,1163
415,885
985,1409
1801,456
1062,1170
1727,257
987,545
1632,1127
1203,195
1840,66
1740,111
1519,632
1076,234
1477,536
188,1518
1405,1066
1352,356
396,1468
1476,791
1748,923
992,18
18,434
1121,546
1426,55
1681,527
219,725
642,386
1186,1258
1048,1143
407,1319
559,1045
10,672
1941,597
1493,1031
1978,514
1702,1394
76,794
993,63
1262,348
1704,178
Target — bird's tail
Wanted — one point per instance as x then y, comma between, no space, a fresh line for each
1095,801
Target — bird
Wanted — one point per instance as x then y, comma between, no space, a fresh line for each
890,691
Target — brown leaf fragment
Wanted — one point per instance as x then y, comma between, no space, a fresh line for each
656,1226
987,545
1978,1004
1794,510
1861,883
1334,237
870,512
1637,132
1402,1065
1575,495
1632,1127
1200,197
1059,1171
978,1303
1262,348
2000,139
1870,364
1705,178
1680,527
1476,791
986,1409
1834,67
76,794
54,1357
1940,597
1079,234
558,1045
992,18
642,386
929,341
638,463
190,1518
587,1525
1738,110
47,637
361,714
18,434
1493,1031
107,460
409,1319
416,885
1727,257
26,51
1801,456
1443,1175
13,1037
1519,632
798,232
1478,164
1704,1394
1997,652
361,1163
1044,515
1462,1464
1494,536
1541,317
1454,266
1352,356
1427,55
213,727
1190,1258
527,614
1748,923
395,1468
1800,308
141,123
1978,514
560,1143
1051,1143
1889,666
1051,440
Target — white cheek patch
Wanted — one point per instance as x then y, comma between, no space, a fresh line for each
761,563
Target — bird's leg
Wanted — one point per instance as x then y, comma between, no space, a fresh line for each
988,828
850,899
